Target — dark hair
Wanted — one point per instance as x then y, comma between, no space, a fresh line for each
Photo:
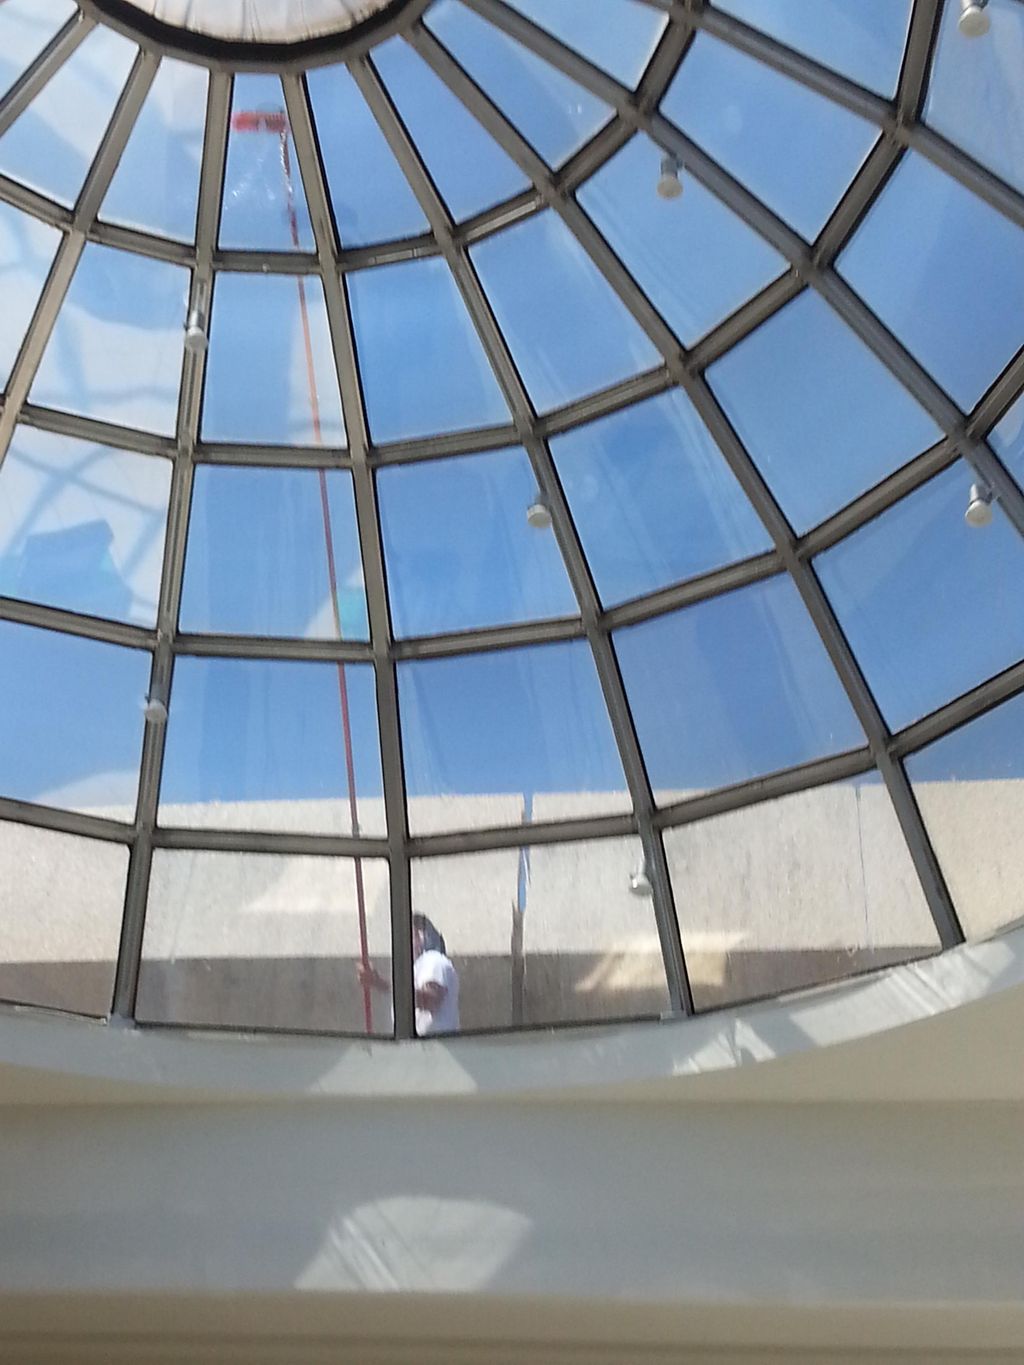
433,939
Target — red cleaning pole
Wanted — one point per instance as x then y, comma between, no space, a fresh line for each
276,121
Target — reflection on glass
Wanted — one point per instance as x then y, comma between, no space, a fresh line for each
468,166
822,417
970,790
952,290
568,332
653,499
695,260
273,744
1008,440
257,561
70,721
930,605
424,370
61,900
264,201
26,26
82,526
270,376
619,37
975,94
51,145
156,184
732,688
263,941
551,934
27,249
371,198
863,41
552,112
459,549
115,352
796,150
824,887
508,737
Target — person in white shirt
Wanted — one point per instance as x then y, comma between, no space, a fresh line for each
434,978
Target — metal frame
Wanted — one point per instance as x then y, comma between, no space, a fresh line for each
810,265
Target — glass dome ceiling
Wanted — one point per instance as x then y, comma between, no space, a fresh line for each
412,503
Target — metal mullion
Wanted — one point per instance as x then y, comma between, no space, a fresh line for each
275,457
386,253
501,362
368,521
675,42
917,58
81,428
593,155
489,638
31,201
699,589
208,646
471,442
64,821
522,836
746,319
278,842
74,623
143,243
975,178
489,221
787,782
69,252
959,712
239,261
859,197
624,394
187,427
42,70
999,399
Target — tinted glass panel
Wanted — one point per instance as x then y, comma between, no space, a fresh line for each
695,260
264,201
544,935
61,900
27,248
460,551
82,526
823,419
262,384
26,26
965,331
115,352
1008,440
653,499
263,744
257,561
489,736
70,720
618,35
424,369
931,606
567,331
733,688
824,888
263,941
970,789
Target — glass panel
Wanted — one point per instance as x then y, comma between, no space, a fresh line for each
468,166
930,605
732,688
156,184
567,331
423,367
263,941
695,260
490,737
823,419
794,149
61,900
70,721
551,111
823,887
545,935
976,96
26,26
653,499
459,549
115,352
52,144
264,201
863,41
27,249
257,561
970,791
618,35
82,526
269,743
370,196
270,376
1008,440
944,272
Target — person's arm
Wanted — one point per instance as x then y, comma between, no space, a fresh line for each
369,976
